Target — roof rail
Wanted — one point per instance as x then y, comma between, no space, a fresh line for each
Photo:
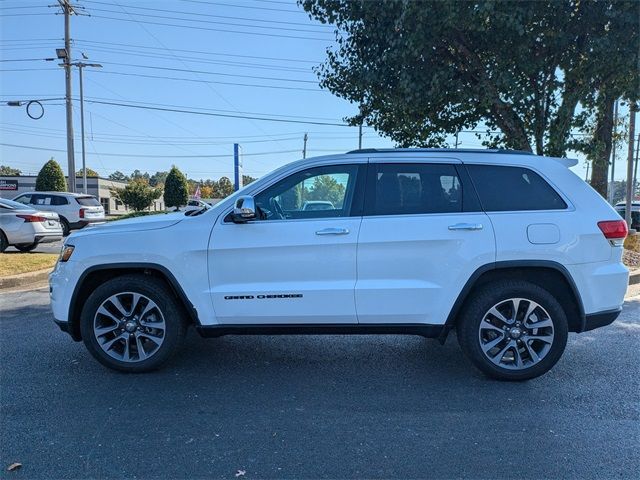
442,150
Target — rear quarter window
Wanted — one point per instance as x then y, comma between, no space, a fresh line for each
503,189
88,201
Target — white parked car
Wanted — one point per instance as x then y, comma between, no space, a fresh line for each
193,205
511,250
635,212
24,228
317,205
76,210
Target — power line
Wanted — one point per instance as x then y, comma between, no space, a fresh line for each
205,72
204,52
253,66
217,110
250,117
27,60
209,15
228,137
193,27
163,77
230,155
242,6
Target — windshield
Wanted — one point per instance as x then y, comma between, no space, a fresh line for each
13,205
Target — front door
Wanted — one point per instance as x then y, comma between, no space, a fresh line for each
423,235
297,264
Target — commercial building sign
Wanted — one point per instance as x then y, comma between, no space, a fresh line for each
8,184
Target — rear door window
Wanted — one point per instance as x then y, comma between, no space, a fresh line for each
503,189
40,199
413,188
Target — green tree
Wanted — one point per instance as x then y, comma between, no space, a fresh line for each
224,188
247,179
50,178
422,70
176,190
6,170
326,187
137,195
118,176
137,174
158,178
90,173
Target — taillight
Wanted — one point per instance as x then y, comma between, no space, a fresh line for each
32,218
81,213
614,230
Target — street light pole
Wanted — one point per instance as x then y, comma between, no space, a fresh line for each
84,163
80,66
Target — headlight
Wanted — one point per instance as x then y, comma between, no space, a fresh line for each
66,253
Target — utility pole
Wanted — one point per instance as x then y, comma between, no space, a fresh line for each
304,147
457,134
80,66
632,134
635,168
237,167
586,176
360,136
71,163
613,151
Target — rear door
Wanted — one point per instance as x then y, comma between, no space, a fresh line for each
422,236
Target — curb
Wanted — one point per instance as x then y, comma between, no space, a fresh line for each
23,279
634,277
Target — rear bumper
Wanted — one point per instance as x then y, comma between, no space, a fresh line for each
600,319
54,237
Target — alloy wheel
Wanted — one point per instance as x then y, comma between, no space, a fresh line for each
129,327
516,333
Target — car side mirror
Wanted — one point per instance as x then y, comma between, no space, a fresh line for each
244,209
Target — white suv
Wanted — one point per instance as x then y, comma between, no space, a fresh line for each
76,210
511,250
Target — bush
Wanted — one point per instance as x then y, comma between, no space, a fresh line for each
137,195
51,178
176,190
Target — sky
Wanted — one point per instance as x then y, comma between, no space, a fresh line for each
224,59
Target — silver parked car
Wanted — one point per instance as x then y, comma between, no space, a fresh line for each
24,228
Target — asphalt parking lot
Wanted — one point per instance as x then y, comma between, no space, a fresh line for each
53,247
313,407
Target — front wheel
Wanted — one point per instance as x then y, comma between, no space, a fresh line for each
27,247
513,330
132,323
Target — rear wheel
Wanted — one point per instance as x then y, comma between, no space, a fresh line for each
513,330
132,323
27,247
3,242
66,229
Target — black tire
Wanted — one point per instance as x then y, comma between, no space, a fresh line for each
468,328
157,291
66,229
4,243
27,247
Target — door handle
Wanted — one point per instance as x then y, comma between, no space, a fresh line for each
466,226
333,231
